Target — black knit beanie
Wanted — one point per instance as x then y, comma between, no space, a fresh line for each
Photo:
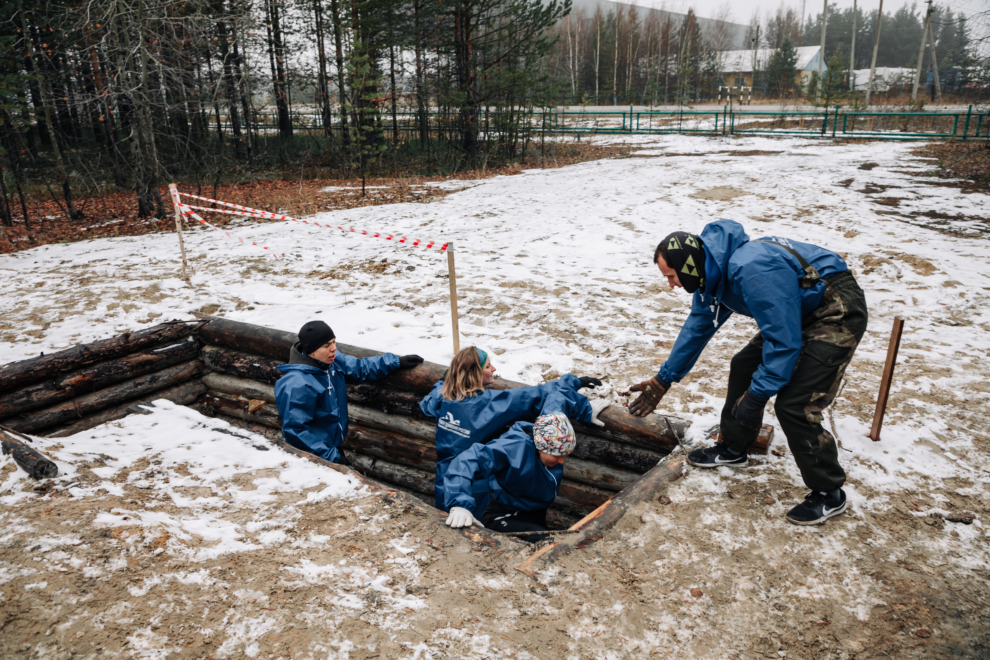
685,253
313,335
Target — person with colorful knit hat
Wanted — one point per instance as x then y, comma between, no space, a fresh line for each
470,408
312,395
811,314
524,465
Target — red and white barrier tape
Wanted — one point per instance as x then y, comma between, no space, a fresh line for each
189,213
247,211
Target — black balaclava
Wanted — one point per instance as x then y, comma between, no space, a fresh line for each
313,335
685,253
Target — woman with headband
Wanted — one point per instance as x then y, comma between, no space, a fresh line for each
468,413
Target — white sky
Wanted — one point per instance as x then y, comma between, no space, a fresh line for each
742,10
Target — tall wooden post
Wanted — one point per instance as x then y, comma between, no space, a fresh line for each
821,54
921,53
453,298
887,378
178,229
852,55
873,64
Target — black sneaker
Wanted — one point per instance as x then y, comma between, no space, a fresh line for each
817,508
717,456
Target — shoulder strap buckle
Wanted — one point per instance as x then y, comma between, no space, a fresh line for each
811,276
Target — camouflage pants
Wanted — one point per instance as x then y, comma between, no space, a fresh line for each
829,337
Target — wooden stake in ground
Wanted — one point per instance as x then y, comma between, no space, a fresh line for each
178,229
888,376
453,298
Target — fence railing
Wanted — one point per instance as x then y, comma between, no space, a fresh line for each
833,123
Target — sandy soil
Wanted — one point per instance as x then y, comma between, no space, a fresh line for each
710,569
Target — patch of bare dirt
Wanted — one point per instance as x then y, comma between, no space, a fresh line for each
720,194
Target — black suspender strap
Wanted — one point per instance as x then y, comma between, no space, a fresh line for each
811,276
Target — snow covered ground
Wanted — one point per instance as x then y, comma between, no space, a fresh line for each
554,275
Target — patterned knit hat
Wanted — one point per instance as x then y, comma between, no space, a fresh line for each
685,253
554,435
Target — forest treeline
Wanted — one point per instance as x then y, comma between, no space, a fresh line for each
112,95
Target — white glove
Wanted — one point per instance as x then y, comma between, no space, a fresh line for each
462,518
597,406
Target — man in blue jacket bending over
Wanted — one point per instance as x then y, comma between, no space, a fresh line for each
312,397
524,466
811,314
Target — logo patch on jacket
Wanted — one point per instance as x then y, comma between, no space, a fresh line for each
448,423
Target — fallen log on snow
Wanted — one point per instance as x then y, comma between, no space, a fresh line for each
25,372
182,394
605,516
96,377
26,456
82,406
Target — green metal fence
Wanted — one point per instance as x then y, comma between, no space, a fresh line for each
833,123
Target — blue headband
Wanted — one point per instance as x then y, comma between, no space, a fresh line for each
482,356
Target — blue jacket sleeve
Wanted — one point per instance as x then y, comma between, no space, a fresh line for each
701,325
430,405
774,298
296,400
476,462
358,370
566,399
518,403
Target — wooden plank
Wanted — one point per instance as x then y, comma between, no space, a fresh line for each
80,407
16,375
887,379
596,523
96,377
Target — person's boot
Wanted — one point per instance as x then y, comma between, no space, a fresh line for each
717,456
818,507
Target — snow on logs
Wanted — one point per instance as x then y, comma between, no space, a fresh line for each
16,375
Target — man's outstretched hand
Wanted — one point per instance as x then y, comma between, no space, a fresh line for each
651,392
589,381
409,361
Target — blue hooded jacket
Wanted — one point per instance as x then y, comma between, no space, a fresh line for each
478,419
759,280
312,400
512,465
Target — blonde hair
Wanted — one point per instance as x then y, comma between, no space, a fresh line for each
464,379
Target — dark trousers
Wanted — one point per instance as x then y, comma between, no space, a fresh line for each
829,338
500,519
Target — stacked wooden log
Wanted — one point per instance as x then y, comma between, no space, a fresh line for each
78,388
392,441
228,369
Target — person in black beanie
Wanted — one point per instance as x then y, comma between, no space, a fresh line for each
312,395
811,314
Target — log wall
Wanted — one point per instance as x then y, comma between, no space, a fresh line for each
392,441
228,370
